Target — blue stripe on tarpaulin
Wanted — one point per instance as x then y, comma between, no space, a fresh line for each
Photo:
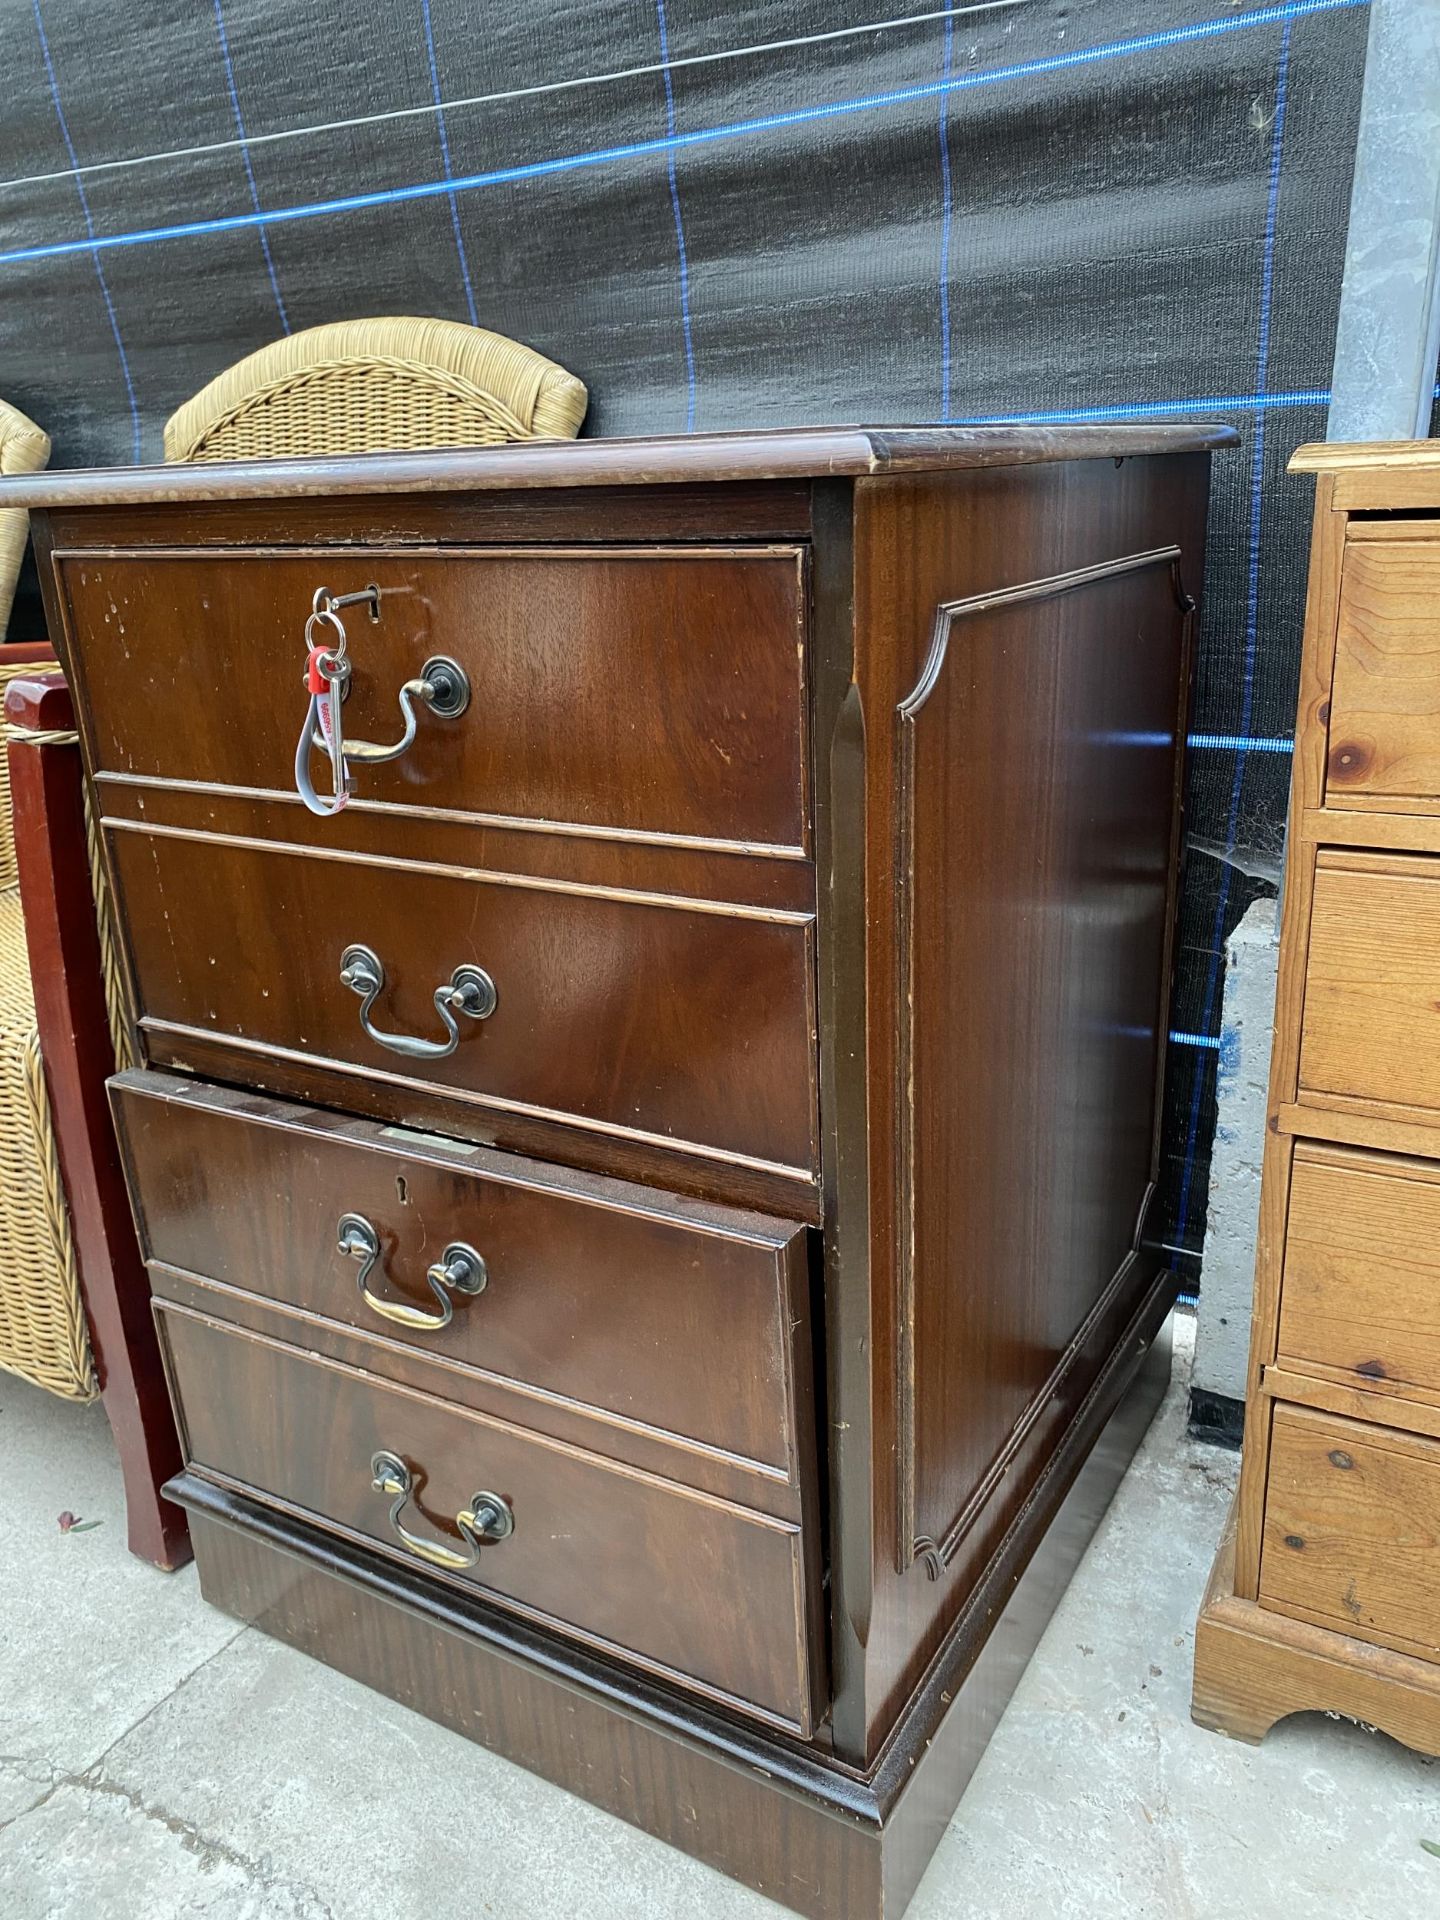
1157,409
54,86
684,263
1243,742
1252,623
445,162
1225,742
239,117
677,142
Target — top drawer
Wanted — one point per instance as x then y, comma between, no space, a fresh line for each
1385,699
632,692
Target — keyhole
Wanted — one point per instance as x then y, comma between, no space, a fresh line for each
402,1189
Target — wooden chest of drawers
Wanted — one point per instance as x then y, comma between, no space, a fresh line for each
647,1206
1326,1593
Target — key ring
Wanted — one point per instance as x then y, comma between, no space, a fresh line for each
441,686
325,612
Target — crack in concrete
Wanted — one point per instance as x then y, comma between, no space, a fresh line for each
165,1698
19,1763
207,1849
210,1851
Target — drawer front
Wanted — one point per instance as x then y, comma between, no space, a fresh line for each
1361,1287
1371,1022
645,1310
699,1590
1384,735
1352,1529
652,1019
652,692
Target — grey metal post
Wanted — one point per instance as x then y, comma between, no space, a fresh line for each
1388,338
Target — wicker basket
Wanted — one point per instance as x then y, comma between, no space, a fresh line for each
23,449
43,1332
369,386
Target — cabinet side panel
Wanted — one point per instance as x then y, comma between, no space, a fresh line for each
1037,772
1024,670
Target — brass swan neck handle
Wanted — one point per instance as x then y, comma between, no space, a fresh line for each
460,1269
469,991
488,1518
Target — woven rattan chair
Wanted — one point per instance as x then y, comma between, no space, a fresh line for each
371,386
43,1332
362,385
43,1335
23,449
365,385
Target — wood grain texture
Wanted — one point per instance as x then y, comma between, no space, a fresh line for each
1371,1023
1317,653
1269,1264
707,740
1254,1667
1394,1403
1388,810
1352,1529
1361,1289
1385,701
772,454
663,866
1359,1123
776,1820
1415,490
70,1015
673,985
789,1820
1386,458
705,1592
839,732
1056,815
664,1023
573,1422
636,1307
1407,825
1317,662
1042,756
689,511
726,1180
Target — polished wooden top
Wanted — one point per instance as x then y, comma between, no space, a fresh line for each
800,453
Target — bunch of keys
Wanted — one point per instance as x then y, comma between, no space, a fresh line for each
326,673
440,687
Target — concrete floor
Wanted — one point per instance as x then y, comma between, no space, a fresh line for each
156,1762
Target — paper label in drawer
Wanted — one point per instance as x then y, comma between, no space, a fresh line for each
412,1139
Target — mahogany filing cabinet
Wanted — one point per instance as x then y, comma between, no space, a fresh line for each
648,1206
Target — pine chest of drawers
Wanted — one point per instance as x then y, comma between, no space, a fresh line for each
647,1206
1326,1591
